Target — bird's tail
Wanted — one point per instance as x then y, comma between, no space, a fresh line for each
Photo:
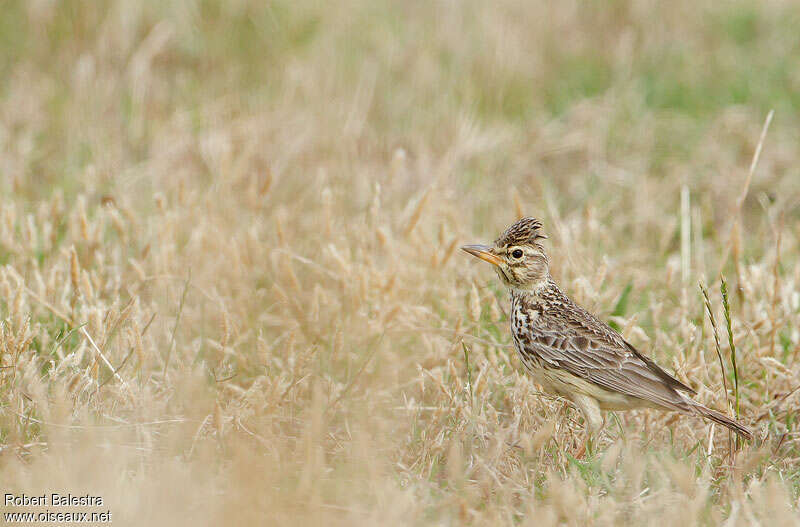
722,419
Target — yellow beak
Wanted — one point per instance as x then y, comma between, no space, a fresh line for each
483,252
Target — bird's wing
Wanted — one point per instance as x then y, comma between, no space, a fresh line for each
658,370
590,350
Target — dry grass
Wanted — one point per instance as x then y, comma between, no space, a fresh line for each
251,212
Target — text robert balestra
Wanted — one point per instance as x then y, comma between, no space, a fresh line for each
52,500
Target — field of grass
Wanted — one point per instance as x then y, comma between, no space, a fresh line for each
230,284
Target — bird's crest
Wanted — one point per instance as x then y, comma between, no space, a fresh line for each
526,230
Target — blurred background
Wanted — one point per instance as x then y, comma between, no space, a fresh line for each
254,208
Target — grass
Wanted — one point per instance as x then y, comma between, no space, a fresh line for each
726,309
331,357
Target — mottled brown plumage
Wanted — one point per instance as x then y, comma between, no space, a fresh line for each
571,352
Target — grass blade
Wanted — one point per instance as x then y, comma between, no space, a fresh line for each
727,310
469,369
717,346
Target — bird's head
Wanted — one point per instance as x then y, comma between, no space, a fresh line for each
517,255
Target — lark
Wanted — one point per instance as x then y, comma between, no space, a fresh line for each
571,352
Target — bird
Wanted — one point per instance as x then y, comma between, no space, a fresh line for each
569,351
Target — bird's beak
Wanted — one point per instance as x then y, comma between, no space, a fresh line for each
483,252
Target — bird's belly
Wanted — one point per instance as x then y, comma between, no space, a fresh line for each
550,379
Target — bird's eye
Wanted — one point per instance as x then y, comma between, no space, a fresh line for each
517,253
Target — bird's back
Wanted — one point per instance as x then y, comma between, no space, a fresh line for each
553,332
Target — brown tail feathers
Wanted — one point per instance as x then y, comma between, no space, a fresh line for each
723,419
